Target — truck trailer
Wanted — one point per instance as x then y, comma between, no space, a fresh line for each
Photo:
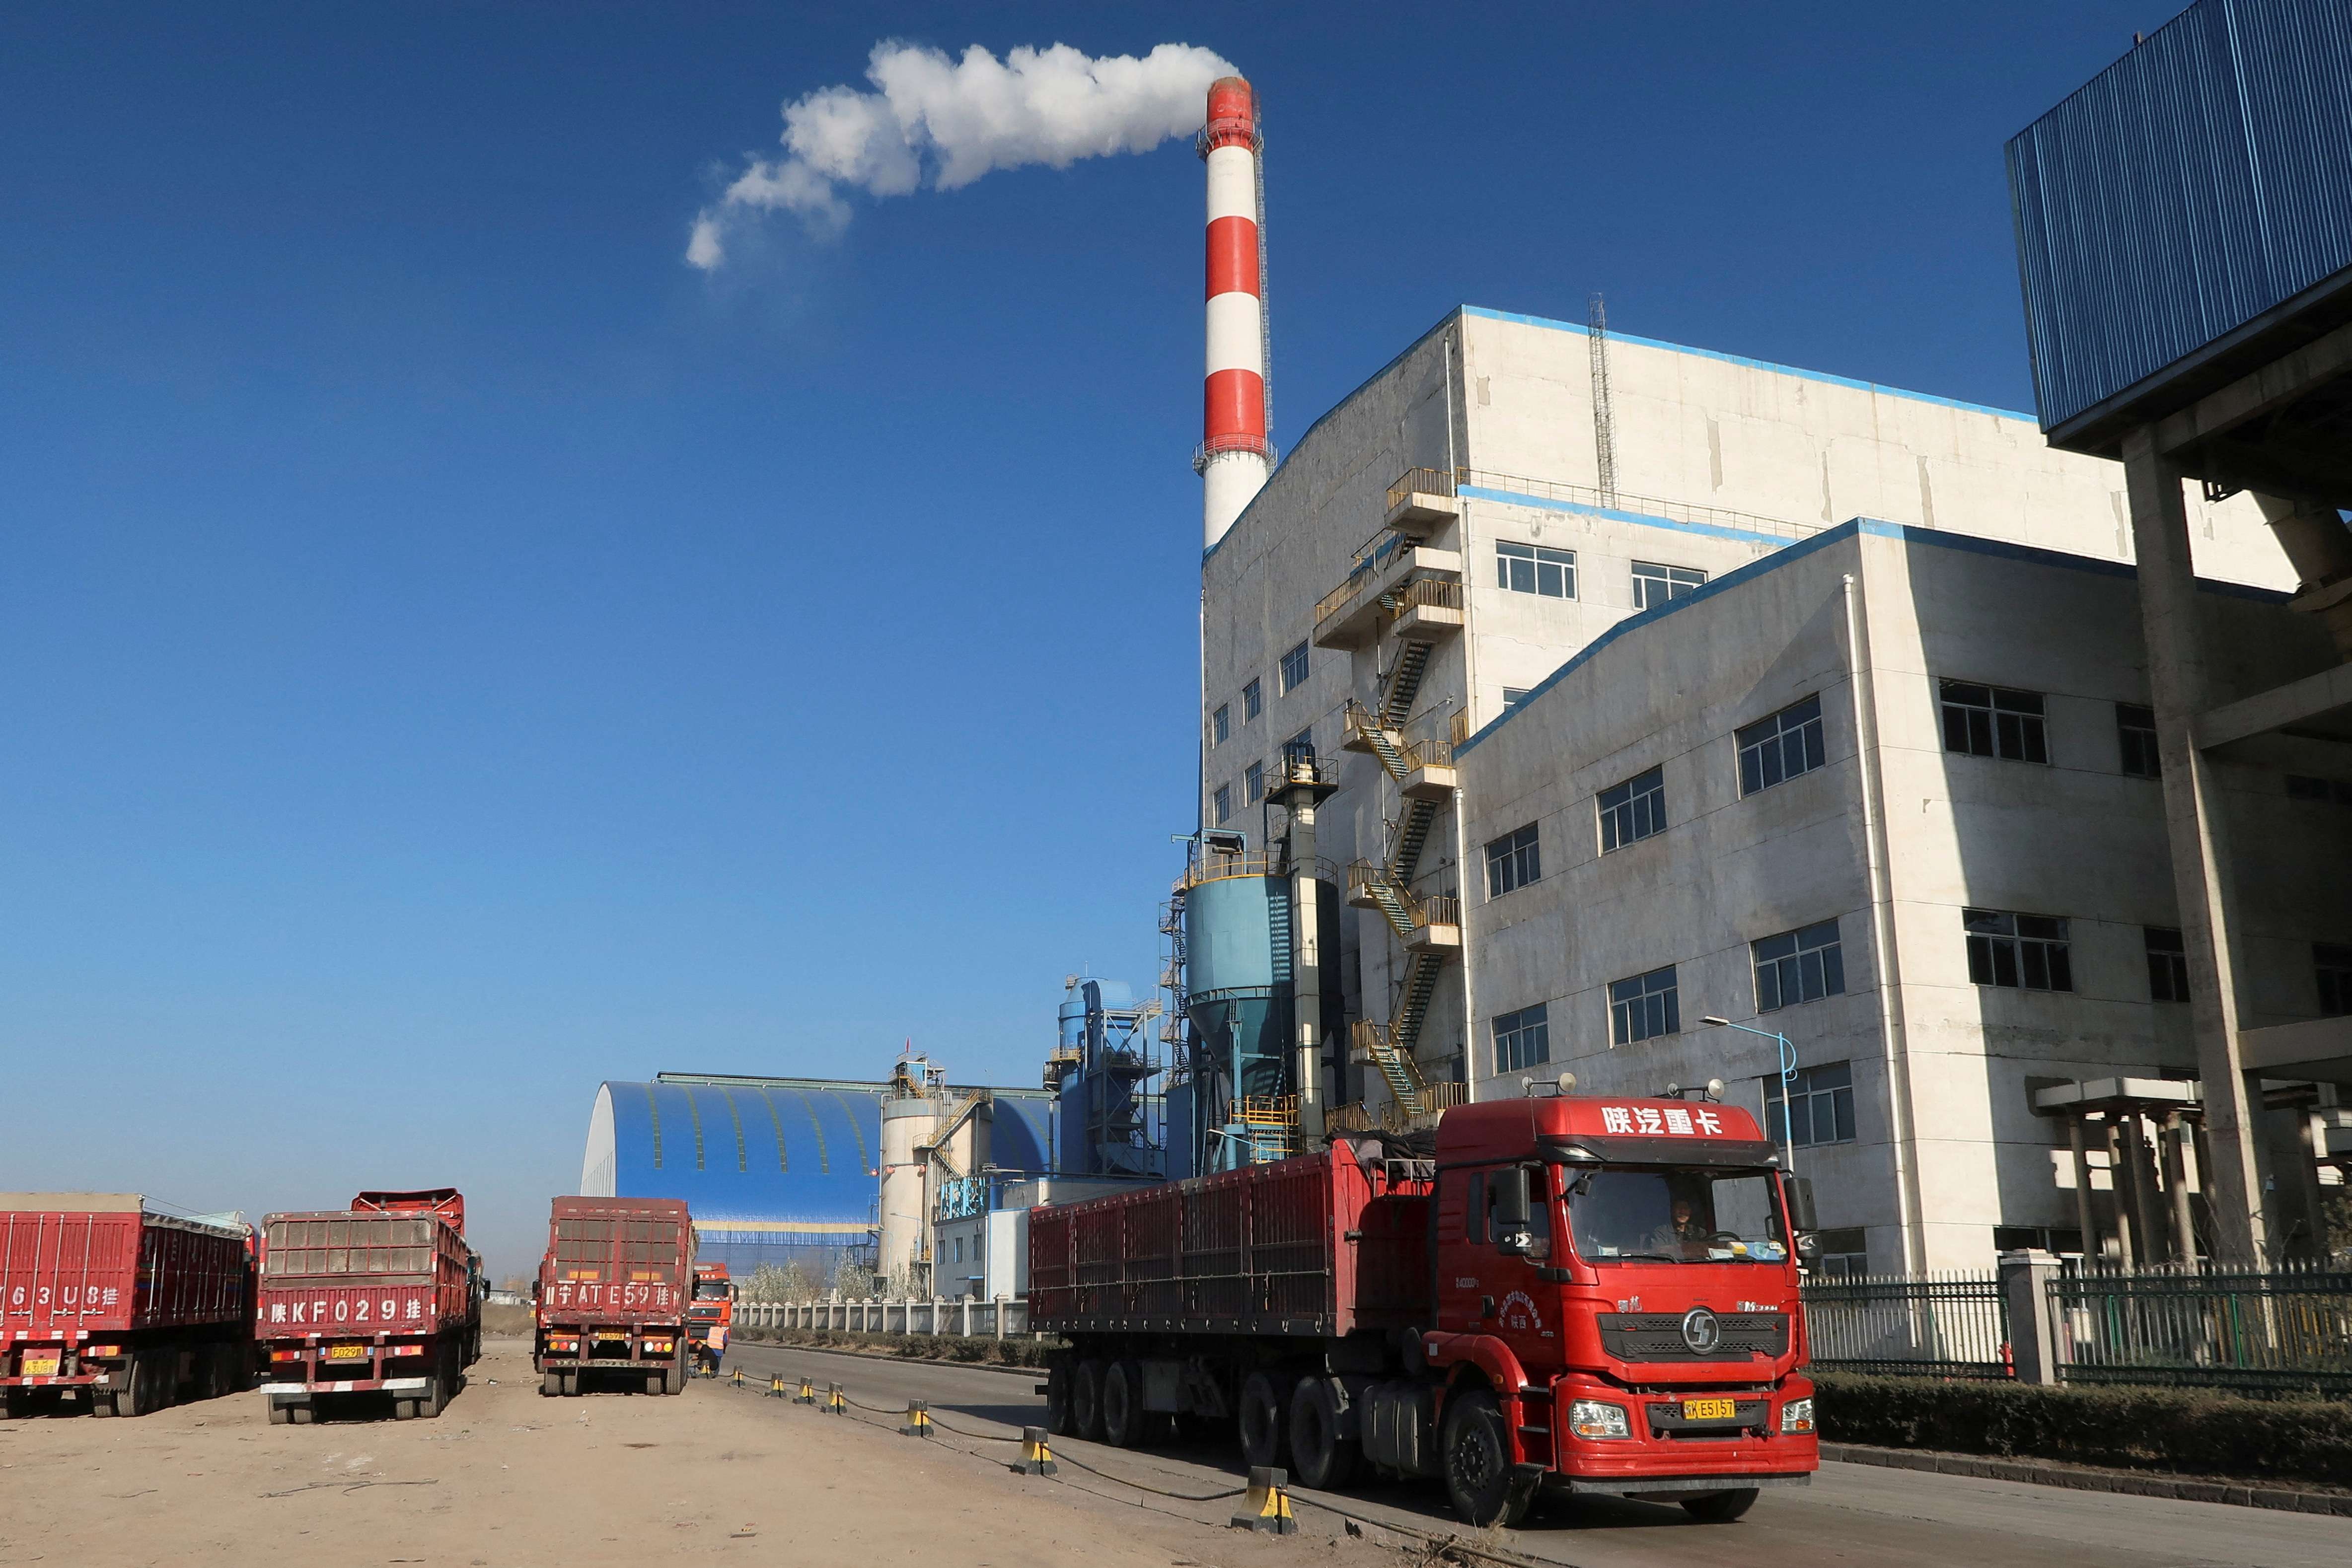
382,1299
1575,1294
104,1302
613,1293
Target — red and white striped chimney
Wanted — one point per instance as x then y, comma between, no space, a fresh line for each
1235,458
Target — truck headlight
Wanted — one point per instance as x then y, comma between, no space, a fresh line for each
1598,1418
1796,1416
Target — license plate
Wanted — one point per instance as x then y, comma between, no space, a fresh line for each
40,1367
347,1352
1709,1410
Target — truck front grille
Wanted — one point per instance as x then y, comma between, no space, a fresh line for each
1658,1336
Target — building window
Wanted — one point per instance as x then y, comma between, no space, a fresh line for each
2334,967
1512,861
1294,668
1253,701
1299,748
1655,584
2136,735
1514,695
2300,787
1253,783
1842,1254
2026,952
1781,746
1522,1039
2167,965
1644,1006
1535,568
1801,966
1225,804
1816,1108
1993,721
1634,810
1221,724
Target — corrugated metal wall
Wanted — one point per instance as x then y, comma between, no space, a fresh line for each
2198,182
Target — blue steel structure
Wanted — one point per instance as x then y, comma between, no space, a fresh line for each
2186,213
775,1170
1108,1076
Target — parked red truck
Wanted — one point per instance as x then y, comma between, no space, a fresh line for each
611,1293
1578,1295
383,1298
104,1301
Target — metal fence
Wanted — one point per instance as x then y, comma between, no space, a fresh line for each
2275,1330
1944,1325
969,1315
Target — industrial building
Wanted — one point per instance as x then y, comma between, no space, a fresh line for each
1518,606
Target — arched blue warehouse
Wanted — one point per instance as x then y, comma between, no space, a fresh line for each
774,1170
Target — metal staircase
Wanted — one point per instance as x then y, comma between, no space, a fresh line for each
1386,885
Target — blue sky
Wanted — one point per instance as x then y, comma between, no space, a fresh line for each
458,653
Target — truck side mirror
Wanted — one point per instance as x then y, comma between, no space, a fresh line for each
1800,1205
534,1290
1511,1199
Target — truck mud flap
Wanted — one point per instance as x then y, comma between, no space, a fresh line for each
1525,1480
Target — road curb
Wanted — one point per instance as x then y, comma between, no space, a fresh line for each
1032,1372
2086,1478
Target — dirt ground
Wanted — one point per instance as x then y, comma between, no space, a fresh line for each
506,1476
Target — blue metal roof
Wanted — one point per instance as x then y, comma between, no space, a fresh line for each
791,1159
2189,188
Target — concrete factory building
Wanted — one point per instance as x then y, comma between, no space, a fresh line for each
1512,492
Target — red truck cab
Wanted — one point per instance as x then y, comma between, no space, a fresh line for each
713,1307
1616,1302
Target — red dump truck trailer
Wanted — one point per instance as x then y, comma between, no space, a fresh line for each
382,1299
104,1301
1575,1294
612,1294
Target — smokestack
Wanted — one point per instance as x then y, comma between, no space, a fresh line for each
1235,458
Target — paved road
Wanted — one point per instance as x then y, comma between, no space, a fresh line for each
1859,1514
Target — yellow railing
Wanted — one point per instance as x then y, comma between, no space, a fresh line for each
1441,592
1421,909
1249,863
1428,753
1439,909
1423,481
1393,1117
1268,1110
1375,558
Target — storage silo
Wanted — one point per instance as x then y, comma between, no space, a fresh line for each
911,1112
1239,992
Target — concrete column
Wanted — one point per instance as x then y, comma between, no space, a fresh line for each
2148,1197
1305,968
2084,1217
2178,687
2176,1187
998,1315
2123,1174
2033,1334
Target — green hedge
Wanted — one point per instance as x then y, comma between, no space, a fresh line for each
2176,1430
1025,1351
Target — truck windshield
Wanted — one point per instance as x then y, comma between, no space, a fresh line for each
710,1290
1654,1214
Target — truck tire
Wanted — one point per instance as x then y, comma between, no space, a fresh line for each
148,1392
1320,1456
1478,1461
1059,1421
1719,1507
551,1385
1085,1401
1124,1422
1264,1420
302,1414
674,1376
404,1409
280,1413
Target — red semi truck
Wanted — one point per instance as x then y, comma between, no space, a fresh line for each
104,1301
1576,1294
383,1298
611,1293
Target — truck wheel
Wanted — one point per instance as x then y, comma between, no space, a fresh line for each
140,1397
551,1385
1059,1418
280,1413
1720,1507
1323,1459
1126,1423
302,1414
15,1404
101,1402
674,1376
1265,1423
1085,1401
1478,1461
404,1409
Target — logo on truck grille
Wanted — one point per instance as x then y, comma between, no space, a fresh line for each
1702,1331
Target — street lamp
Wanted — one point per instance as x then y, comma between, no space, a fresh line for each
1788,1076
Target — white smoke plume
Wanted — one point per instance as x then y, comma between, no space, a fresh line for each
945,122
